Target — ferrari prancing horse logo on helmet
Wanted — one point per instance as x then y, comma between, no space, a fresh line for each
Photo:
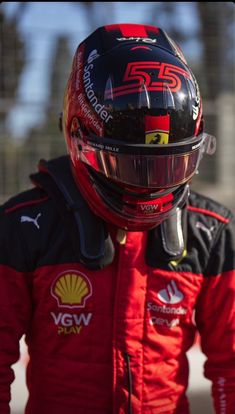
157,129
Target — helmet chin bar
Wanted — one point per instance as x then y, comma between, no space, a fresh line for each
139,211
120,190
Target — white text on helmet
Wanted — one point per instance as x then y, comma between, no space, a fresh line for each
99,109
149,208
138,39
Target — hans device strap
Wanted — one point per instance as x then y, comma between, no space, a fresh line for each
167,242
91,243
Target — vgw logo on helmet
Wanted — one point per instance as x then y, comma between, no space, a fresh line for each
71,290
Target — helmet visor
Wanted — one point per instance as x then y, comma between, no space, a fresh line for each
147,166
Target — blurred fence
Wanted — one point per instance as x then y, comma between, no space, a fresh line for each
17,161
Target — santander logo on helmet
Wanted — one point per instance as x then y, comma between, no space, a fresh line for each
92,56
90,94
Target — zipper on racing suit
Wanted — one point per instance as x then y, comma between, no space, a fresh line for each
129,381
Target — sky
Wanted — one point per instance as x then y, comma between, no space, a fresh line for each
42,21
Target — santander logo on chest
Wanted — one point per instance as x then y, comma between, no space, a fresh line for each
71,290
167,314
171,294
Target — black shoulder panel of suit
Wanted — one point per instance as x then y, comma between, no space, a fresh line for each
91,243
19,214
51,223
212,225
204,234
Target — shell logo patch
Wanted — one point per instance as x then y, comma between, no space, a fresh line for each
71,289
157,129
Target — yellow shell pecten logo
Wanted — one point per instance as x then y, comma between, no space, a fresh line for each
71,289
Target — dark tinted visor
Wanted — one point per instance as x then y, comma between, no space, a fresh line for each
147,166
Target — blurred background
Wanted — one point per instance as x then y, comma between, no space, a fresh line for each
37,42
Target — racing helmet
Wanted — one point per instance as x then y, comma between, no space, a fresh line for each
133,125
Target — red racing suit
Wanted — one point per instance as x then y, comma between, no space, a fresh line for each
113,340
